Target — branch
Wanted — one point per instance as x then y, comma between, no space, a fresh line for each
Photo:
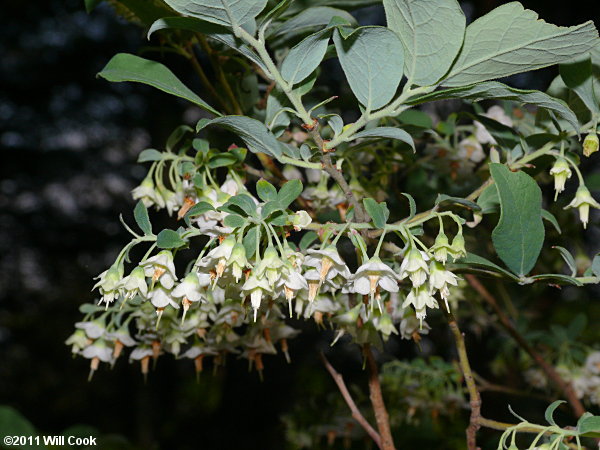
465,367
356,414
359,213
551,372
381,414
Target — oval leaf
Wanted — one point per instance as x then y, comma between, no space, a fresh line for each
169,239
519,235
387,132
511,39
432,32
305,57
373,60
127,67
230,13
140,213
289,192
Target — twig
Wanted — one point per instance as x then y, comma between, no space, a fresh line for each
381,415
359,213
553,375
356,414
465,367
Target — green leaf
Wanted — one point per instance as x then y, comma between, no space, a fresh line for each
169,239
230,13
177,135
376,212
249,241
566,255
289,192
149,154
412,205
143,11
557,278
489,200
222,159
278,115
519,235
197,210
588,424
212,30
255,134
127,67
310,18
441,198
549,414
234,221
269,208
511,39
265,190
12,423
387,133
547,215
596,265
305,57
308,238
578,76
242,201
499,91
372,59
432,32
140,213
475,261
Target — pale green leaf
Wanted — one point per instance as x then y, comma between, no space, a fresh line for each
578,76
372,59
519,235
127,67
149,154
305,57
289,192
472,261
254,133
169,239
140,213
549,413
265,190
230,13
310,18
511,39
432,33
212,30
386,133
376,212
568,258
499,91
234,221
589,424
548,216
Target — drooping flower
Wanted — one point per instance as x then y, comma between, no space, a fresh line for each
146,192
190,290
415,266
134,283
561,173
78,341
421,299
216,260
121,338
470,149
290,283
109,284
441,248
270,266
440,279
238,261
96,352
328,263
590,144
374,275
256,286
93,329
161,268
458,249
161,298
583,200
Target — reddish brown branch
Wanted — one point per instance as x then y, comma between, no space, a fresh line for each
474,397
356,414
381,415
550,371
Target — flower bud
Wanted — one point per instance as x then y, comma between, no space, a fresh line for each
590,144
300,220
458,246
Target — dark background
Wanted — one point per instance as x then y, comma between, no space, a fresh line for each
69,142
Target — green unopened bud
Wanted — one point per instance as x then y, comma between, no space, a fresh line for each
440,247
300,220
238,261
386,326
458,246
590,144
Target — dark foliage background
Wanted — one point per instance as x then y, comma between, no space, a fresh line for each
69,143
